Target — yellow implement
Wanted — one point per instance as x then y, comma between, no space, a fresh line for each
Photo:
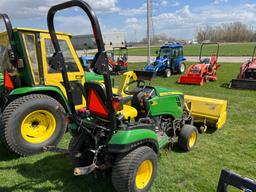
207,110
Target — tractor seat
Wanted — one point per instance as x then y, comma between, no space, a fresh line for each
205,61
96,101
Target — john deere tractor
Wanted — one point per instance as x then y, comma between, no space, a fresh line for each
32,94
124,133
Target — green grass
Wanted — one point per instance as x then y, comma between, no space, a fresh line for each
231,147
227,49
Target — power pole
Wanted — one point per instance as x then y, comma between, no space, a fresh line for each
149,22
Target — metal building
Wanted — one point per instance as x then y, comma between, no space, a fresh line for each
113,39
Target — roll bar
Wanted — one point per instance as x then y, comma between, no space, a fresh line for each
230,178
100,65
8,26
203,44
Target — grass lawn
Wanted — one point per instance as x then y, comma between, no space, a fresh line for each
231,147
227,49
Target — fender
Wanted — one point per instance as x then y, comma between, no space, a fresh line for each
52,91
125,140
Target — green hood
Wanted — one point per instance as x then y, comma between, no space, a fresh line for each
91,76
163,91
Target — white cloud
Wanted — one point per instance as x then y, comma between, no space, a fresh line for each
20,9
181,23
163,3
219,1
131,20
184,22
135,11
250,6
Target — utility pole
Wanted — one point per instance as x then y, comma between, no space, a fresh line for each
149,21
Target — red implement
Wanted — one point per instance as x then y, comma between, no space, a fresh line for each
246,79
202,72
193,80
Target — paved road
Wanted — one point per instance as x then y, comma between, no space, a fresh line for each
191,59
194,59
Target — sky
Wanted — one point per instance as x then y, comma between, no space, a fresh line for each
178,19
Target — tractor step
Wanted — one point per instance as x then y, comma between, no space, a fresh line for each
243,84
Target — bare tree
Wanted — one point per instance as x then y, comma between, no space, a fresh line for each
229,32
159,39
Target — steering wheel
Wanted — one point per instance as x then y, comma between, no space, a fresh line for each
140,86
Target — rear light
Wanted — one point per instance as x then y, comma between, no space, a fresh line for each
8,84
117,105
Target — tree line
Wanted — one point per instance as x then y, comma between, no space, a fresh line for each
229,32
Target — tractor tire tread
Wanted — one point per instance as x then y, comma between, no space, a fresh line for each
184,136
124,166
8,111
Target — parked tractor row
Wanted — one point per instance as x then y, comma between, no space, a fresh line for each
170,60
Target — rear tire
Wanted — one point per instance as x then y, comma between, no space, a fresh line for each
32,122
135,171
168,72
187,137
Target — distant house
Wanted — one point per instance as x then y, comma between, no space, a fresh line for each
113,39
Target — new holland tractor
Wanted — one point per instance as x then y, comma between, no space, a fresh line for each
33,97
170,60
125,130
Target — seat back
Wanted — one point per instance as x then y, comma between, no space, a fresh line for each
96,99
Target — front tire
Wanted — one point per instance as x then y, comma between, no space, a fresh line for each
187,137
32,122
168,73
136,171
182,67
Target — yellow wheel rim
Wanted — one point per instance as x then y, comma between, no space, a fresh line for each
38,126
144,174
192,139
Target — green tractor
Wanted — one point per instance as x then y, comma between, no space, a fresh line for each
124,133
32,94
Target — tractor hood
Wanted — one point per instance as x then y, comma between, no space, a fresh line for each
155,65
149,67
91,76
163,91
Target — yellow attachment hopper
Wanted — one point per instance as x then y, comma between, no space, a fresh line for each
207,110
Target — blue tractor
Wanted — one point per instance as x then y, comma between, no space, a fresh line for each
170,60
86,61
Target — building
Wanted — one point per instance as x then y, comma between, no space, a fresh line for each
113,39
